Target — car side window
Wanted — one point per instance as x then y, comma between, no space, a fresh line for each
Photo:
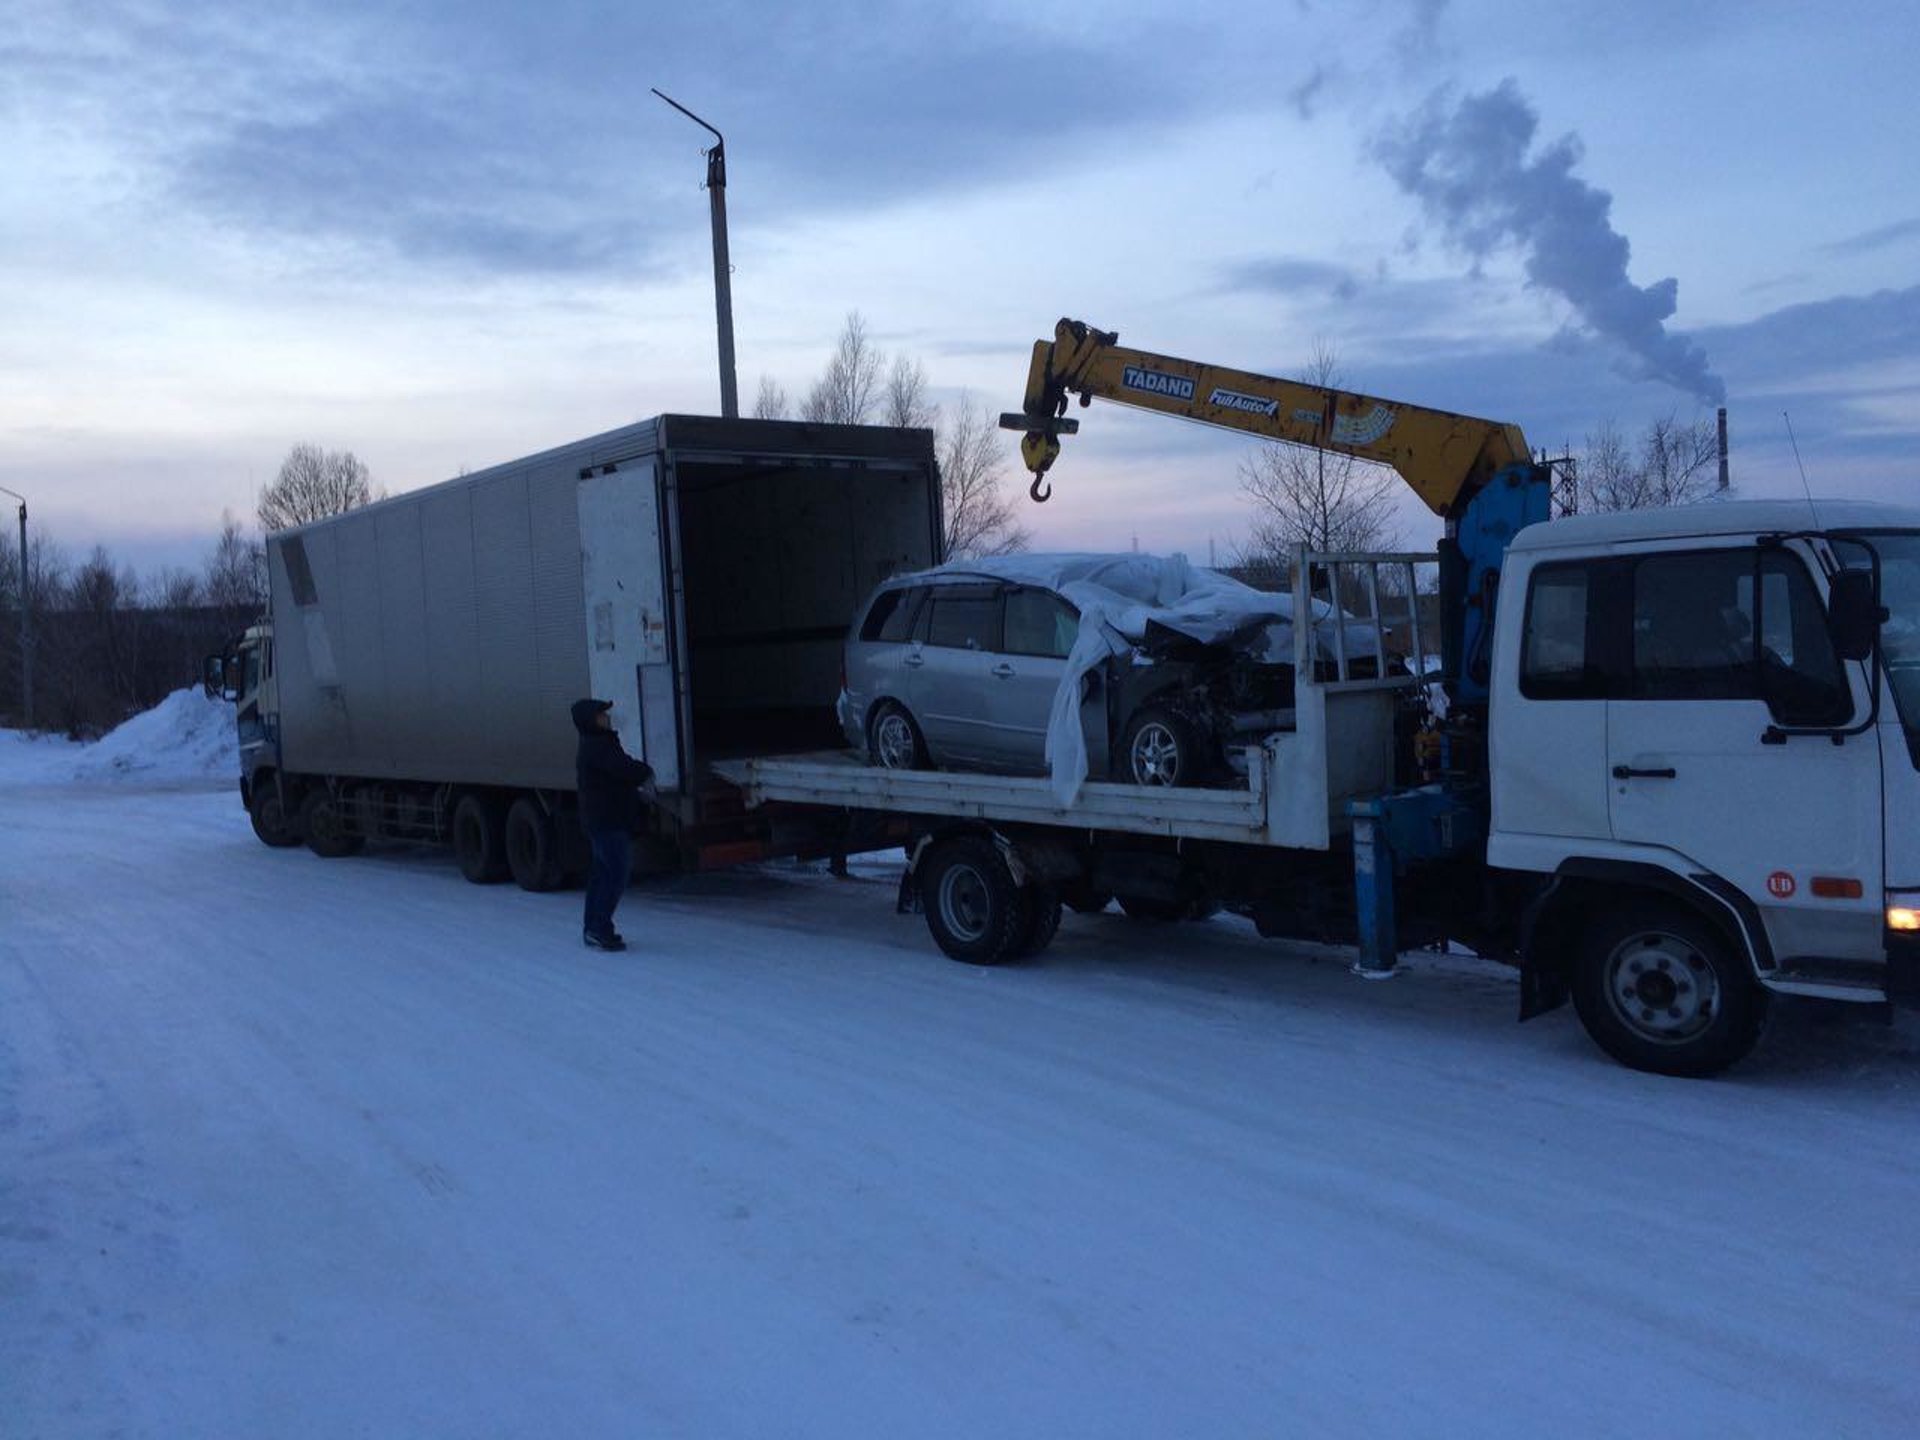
1737,624
1554,662
1801,677
890,621
1038,622
1693,627
963,617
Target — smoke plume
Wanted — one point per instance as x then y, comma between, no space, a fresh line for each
1467,162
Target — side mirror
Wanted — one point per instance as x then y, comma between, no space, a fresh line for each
213,676
1854,614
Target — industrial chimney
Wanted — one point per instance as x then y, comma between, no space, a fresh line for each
1723,448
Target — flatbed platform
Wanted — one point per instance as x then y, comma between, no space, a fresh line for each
844,779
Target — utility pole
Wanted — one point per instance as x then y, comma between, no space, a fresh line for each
722,267
26,625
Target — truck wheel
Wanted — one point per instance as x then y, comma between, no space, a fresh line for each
1159,748
1661,990
1043,908
477,840
893,740
533,848
325,827
974,910
270,819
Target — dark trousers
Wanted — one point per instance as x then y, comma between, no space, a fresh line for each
607,879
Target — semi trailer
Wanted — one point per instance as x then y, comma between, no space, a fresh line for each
413,674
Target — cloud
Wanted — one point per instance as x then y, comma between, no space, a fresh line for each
489,136
1471,163
1871,240
1292,277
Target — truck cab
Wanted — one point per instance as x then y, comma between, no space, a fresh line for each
1704,757
244,675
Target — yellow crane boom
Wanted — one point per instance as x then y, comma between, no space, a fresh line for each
1444,457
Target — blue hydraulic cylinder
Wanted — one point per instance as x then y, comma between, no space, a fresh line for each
1373,874
1516,497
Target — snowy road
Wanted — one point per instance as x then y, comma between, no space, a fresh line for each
293,1147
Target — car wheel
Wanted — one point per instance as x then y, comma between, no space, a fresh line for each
893,740
1160,748
1659,989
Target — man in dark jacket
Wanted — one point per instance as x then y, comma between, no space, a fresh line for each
609,782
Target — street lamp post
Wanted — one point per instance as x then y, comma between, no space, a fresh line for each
26,628
722,267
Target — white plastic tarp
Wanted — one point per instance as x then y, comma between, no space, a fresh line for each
1118,597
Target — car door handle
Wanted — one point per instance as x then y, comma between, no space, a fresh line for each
1003,670
1628,772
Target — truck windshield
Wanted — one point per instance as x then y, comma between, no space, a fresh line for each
1899,553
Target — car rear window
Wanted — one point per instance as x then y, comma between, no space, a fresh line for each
890,620
965,618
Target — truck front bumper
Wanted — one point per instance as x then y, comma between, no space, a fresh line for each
1903,968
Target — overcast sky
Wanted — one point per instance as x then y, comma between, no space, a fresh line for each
447,234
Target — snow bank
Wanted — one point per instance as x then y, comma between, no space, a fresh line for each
187,736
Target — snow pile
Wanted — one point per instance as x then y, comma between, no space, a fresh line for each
187,736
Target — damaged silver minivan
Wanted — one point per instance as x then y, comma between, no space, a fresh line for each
1153,670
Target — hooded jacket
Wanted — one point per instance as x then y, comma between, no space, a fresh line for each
605,775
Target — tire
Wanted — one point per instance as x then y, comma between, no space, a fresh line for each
325,827
533,847
478,841
1160,748
271,822
974,910
1659,989
1043,907
894,742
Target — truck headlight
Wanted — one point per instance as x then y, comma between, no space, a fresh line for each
1903,910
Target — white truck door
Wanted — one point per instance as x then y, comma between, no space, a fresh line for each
1550,729
629,640
1695,763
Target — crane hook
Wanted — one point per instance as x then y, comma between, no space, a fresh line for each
1036,493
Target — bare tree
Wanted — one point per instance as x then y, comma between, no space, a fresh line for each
772,402
905,404
313,484
1675,463
846,394
235,571
979,515
174,588
1322,499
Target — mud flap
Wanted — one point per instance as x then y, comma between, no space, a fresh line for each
908,902
1541,990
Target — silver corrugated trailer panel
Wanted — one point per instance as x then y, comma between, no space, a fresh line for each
441,635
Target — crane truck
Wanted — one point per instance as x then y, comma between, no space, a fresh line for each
1675,777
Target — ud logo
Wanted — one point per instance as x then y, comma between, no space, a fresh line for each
1780,885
